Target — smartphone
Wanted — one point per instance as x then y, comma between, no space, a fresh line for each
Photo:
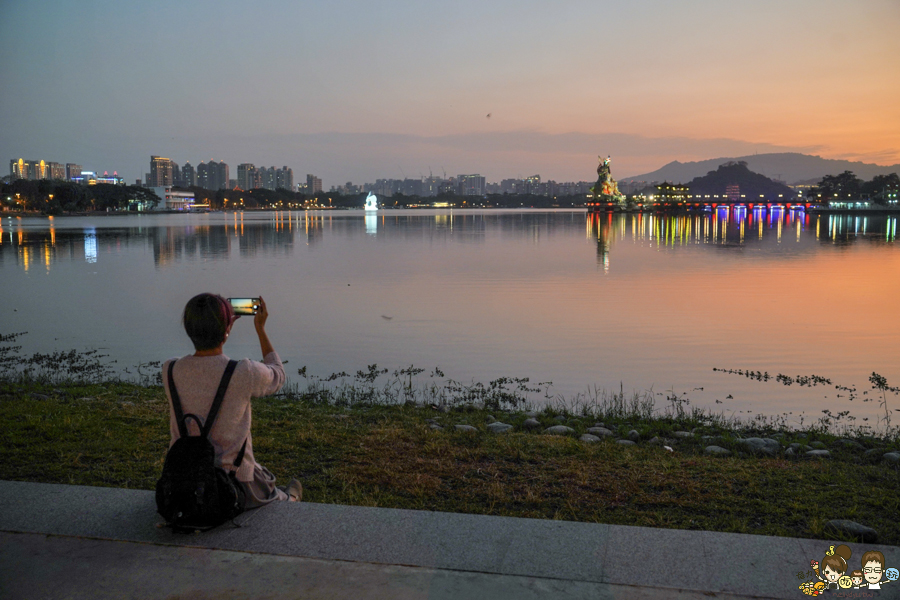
245,306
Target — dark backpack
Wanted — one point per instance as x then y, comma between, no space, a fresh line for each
193,493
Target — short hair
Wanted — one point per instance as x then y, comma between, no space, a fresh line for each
206,318
873,556
856,573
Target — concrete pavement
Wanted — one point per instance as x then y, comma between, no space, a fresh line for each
59,541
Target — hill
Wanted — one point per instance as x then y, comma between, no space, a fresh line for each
752,185
789,167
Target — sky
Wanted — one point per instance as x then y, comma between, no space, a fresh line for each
353,91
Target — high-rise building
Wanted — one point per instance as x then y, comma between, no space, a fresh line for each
246,176
176,175
72,171
160,172
313,184
203,175
470,185
56,171
188,176
213,175
27,169
222,176
284,178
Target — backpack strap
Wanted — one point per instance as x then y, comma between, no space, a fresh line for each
176,404
217,404
220,396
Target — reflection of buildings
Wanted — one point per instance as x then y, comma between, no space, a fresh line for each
736,227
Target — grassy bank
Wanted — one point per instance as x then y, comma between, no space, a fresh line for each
372,454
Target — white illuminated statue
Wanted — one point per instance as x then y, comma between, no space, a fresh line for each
371,202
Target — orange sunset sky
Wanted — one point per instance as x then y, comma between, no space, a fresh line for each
353,90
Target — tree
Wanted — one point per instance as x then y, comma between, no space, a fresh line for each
833,188
882,189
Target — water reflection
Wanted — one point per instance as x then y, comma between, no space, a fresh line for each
760,228
224,235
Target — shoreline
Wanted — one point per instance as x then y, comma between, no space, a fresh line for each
654,210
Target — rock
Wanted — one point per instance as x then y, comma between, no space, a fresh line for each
634,436
818,445
892,458
716,451
436,427
626,442
863,534
599,425
873,455
37,396
490,419
559,430
777,436
818,454
852,445
589,438
683,434
600,431
560,419
498,427
713,439
789,453
655,441
59,392
467,428
755,445
531,414
531,424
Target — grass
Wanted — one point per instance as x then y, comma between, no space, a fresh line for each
368,439
387,455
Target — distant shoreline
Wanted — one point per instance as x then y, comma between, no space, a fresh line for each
655,209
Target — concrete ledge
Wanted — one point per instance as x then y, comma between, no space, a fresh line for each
584,553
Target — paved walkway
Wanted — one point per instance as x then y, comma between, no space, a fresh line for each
60,541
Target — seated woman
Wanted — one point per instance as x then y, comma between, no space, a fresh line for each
208,319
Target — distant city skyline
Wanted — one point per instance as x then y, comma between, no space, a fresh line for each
360,91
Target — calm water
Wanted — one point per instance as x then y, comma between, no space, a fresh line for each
646,302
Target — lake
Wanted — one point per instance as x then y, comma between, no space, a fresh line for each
637,301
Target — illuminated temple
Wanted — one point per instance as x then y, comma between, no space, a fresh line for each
605,193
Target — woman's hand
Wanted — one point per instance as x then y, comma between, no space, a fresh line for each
259,320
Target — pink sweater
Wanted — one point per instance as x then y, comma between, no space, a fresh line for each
197,379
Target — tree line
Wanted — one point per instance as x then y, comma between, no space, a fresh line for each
882,189
57,197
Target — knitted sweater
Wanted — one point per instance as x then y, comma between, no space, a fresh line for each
197,379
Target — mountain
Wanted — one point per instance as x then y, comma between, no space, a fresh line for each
752,185
790,167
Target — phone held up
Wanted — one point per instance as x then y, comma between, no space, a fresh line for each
245,306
